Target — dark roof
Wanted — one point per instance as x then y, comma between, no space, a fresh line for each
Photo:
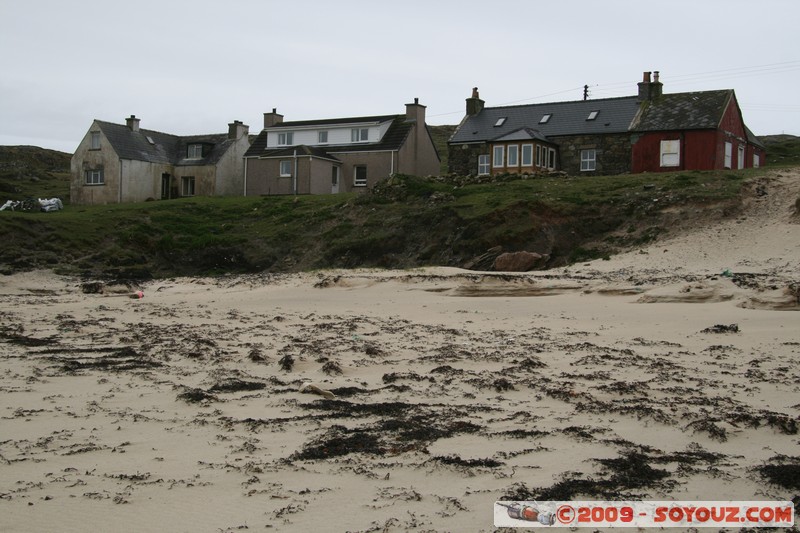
683,111
393,139
614,115
334,121
164,148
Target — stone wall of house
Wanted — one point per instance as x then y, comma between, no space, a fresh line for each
613,153
463,158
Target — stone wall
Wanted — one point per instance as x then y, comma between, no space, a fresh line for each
613,153
463,158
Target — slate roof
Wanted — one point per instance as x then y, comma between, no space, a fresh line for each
678,111
567,118
393,139
683,111
166,148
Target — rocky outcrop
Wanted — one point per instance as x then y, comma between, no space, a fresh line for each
519,261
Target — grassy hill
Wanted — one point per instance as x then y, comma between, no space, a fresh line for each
405,222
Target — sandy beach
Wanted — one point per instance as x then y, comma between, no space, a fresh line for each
410,400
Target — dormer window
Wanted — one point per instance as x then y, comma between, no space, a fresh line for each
322,137
592,115
195,151
545,118
358,135
286,138
500,122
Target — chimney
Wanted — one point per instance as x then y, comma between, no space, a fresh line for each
474,103
649,90
132,122
237,130
270,119
656,88
415,112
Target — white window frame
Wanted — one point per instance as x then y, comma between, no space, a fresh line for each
285,138
512,155
359,135
588,160
187,185
670,153
551,158
498,156
94,177
728,154
359,182
286,168
539,156
483,165
195,151
741,156
756,161
527,155
322,137
95,141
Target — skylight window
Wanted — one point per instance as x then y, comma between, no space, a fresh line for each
545,118
500,122
592,115
150,140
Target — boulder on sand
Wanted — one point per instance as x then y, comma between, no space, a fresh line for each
518,261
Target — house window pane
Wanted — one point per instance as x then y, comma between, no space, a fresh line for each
740,159
94,177
195,151
95,140
527,155
285,139
498,156
483,164
323,137
538,156
513,156
359,135
286,169
187,186
670,153
360,179
588,160
756,161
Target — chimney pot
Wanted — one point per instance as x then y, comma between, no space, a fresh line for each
655,77
646,77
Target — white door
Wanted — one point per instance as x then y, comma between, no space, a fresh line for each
334,179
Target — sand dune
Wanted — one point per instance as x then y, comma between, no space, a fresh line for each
202,406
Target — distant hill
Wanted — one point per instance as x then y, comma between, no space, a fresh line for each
782,149
33,172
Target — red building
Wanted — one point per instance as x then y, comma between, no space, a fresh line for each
691,131
647,132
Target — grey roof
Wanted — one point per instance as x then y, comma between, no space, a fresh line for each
165,148
683,111
333,121
678,111
393,139
567,118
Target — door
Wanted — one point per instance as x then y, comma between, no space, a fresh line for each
334,179
165,186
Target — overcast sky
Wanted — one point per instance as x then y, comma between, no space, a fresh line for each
191,67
